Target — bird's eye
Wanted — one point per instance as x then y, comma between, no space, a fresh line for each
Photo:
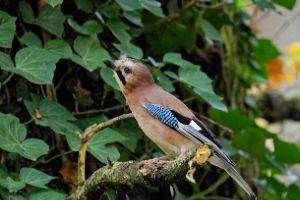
127,70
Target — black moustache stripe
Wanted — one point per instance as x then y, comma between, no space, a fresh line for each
121,77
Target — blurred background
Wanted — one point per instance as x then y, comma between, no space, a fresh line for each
235,63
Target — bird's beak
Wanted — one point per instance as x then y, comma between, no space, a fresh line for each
110,64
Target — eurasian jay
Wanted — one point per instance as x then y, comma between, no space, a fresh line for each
166,120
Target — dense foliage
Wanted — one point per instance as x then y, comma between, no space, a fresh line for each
54,85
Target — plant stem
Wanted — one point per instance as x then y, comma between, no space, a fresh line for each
7,79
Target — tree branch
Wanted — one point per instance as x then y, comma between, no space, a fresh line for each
87,135
131,174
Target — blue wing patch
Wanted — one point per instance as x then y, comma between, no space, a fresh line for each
163,114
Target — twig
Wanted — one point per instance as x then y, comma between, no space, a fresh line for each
132,174
94,111
212,188
87,135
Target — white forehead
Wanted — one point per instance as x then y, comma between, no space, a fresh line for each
124,62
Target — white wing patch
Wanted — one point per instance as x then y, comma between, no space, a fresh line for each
195,126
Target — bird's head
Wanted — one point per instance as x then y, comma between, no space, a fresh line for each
130,74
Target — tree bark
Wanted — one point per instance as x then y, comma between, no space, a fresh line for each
131,174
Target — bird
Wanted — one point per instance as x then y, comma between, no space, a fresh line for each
165,119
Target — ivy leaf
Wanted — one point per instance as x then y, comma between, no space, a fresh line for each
190,74
164,82
35,177
12,138
90,27
46,195
119,30
5,62
175,59
210,31
152,6
130,50
210,97
84,5
35,64
49,18
131,133
129,5
11,185
51,114
100,145
170,36
134,17
7,29
30,39
91,55
59,48
54,3
107,76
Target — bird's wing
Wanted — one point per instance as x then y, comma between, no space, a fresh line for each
190,128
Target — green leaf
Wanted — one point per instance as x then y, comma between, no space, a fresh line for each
49,18
134,17
281,149
53,114
88,121
170,36
12,138
11,185
34,148
90,27
108,76
35,64
249,140
84,5
210,31
119,30
129,5
190,74
152,6
164,82
6,63
59,48
35,177
47,195
131,133
90,52
99,146
30,39
211,98
265,51
7,29
26,11
54,3
289,4
265,4
130,50
231,118
175,59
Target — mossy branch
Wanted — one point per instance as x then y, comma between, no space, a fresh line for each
132,174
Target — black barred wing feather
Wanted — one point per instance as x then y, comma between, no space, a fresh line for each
190,128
